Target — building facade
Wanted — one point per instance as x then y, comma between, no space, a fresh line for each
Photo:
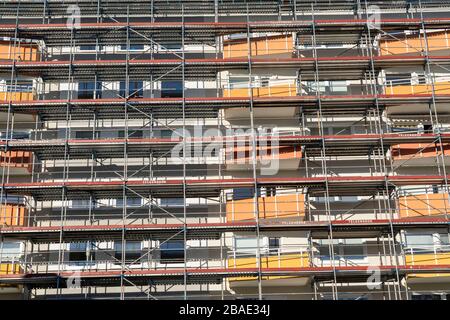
225,149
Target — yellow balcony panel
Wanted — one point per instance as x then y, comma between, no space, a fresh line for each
287,260
422,205
440,258
420,259
274,207
18,162
13,215
279,90
274,45
439,88
10,268
438,43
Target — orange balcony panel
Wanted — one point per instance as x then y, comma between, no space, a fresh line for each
286,260
423,205
263,46
279,206
244,155
22,52
414,44
13,215
439,88
17,159
286,90
10,268
16,96
417,150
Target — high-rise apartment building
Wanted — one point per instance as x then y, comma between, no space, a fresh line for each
225,149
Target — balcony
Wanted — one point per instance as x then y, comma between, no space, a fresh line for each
272,207
414,44
418,154
277,90
13,215
280,46
22,52
17,162
422,205
439,88
417,258
268,158
278,260
10,268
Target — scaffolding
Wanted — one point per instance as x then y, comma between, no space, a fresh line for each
135,136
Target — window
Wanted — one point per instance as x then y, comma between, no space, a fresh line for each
133,47
324,250
83,204
17,86
274,245
131,202
340,130
444,239
171,46
172,202
10,251
16,135
338,87
131,133
417,240
14,199
241,82
166,134
245,245
87,135
353,249
78,252
136,89
419,243
171,89
244,193
88,90
398,79
265,82
426,297
89,47
172,251
347,198
132,250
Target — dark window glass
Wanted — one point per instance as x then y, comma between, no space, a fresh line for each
426,297
244,193
88,47
136,89
274,245
172,251
166,134
87,135
131,133
135,47
88,90
171,46
77,252
133,250
172,89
